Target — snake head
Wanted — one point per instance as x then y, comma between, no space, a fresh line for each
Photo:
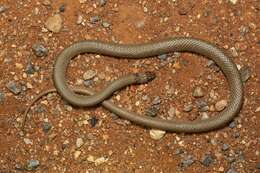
145,77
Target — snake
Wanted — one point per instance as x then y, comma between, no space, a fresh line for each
87,97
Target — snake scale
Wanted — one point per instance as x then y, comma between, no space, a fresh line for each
86,97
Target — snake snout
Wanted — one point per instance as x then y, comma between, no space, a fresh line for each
145,77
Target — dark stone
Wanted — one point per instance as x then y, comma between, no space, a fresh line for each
152,111
14,87
93,121
39,50
32,165
162,57
225,147
46,126
62,8
207,160
232,125
30,69
187,161
202,106
94,19
87,83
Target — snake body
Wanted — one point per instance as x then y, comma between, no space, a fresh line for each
137,51
78,97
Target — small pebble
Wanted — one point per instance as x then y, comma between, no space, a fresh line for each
79,142
102,2
202,106
94,19
162,57
39,50
2,8
32,165
236,135
90,74
225,147
77,154
233,1
62,8
19,167
93,121
207,160
156,101
231,170
172,112
79,19
232,125
54,23
14,87
187,161
204,116
257,109
220,105
87,83
197,92
152,111
245,73
156,134
105,24
30,69
188,108
46,126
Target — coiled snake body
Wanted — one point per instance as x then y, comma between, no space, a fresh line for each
179,44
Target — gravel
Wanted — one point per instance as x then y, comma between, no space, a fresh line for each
14,87
39,50
197,92
220,105
207,160
32,165
46,126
